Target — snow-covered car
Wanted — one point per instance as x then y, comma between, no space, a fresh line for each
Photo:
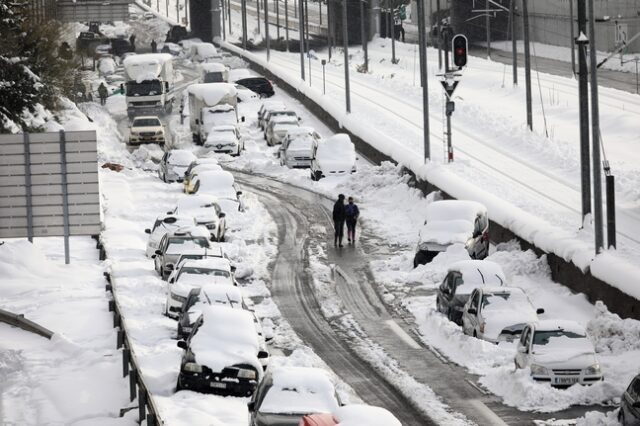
259,85
197,162
173,49
297,147
335,156
558,352
218,115
266,107
106,66
272,113
190,310
200,273
146,129
286,394
278,127
498,314
221,185
244,94
102,50
190,178
224,139
213,72
461,279
164,224
222,354
206,211
451,222
174,163
629,413
175,243
204,52
353,415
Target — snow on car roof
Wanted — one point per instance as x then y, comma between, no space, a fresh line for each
239,73
216,178
557,324
302,130
200,168
360,414
222,294
213,93
194,231
226,337
337,146
181,157
195,202
146,66
478,273
205,49
446,210
213,67
218,263
273,105
299,390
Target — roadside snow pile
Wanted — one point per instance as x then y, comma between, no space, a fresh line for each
611,334
596,418
358,415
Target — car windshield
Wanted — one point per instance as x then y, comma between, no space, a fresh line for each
146,122
503,300
213,77
225,133
146,88
178,245
296,400
191,270
543,337
220,117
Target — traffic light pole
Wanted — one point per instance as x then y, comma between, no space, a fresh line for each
449,81
583,86
422,41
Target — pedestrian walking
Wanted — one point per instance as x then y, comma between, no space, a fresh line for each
351,217
338,220
132,40
102,92
154,46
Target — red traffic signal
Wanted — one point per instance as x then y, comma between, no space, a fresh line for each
459,49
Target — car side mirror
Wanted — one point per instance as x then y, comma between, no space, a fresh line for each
169,212
251,406
158,252
147,231
299,118
239,193
182,344
263,354
242,118
169,266
171,281
233,269
539,311
472,311
222,215
197,121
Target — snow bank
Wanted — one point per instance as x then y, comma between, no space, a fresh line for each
213,93
358,415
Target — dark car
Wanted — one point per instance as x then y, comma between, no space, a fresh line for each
222,295
259,85
462,278
176,33
629,414
87,42
120,46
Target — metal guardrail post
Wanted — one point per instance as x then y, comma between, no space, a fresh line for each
27,184
126,358
119,339
65,194
142,404
132,384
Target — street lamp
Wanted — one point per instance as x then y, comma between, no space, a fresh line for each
324,89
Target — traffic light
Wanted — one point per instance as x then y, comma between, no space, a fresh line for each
459,48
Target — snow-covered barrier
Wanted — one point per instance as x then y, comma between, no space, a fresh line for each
606,278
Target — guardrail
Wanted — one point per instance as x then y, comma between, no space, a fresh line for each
314,29
18,320
147,410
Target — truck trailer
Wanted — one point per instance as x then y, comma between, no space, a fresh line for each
211,104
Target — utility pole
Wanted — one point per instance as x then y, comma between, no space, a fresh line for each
229,16
514,43
583,86
572,37
392,22
527,63
438,36
422,41
286,21
258,12
243,3
363,35
329,28
488,25
345,40
306,35
266,28
215,18
301,36
224,30
276,2
320,11
595,134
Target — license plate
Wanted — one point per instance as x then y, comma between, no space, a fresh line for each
566,380
218,385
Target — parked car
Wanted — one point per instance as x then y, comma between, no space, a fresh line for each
272,113
286,394
221,185
204,52
146,129
269,106
201,273
194,164
224,139
353,415
244,94
461,279
171,48
188,181
174,163
297,147
222,354
453,222
164,224
259,85
173,244
558,352
278,127
629,413
335,156
206,211
498,314
190,310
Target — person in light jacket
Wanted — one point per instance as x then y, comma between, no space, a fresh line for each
351,217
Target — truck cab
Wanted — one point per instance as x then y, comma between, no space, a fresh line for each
149,84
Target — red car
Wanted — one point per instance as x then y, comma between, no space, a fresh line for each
318,420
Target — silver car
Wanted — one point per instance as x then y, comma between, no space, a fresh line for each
177,243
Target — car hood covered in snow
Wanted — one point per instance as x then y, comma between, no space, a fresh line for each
564,352
438,234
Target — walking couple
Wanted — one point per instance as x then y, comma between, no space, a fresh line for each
342,213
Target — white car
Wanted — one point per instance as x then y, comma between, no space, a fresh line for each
221,185
558,352
357,414
297,147
200,273
146,129
285,114
266,107
201,168
498,314
213,72
164,224
335,156
278,127
174,164
224,139
218,115
225,346
177,243
206,211
289,393
204,52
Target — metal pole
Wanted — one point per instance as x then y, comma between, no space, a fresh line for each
295,9
636,75
422,37
583,85
329,28
178,11
187,12
595,135
65,194
320,10
224,30
166,2
439,36
215,18
258,12
488,26
244,24
276,2
572,37
301,36
392,19
514,44
158,6
27,184
266,28
363,36
611,211
324,87
306,35
527,63
345,40
286,22
229,16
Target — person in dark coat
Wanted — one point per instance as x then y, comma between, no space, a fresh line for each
154,46
103,93
351,217
338,220
132,40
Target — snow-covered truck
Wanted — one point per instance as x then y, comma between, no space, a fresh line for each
149,83
211,104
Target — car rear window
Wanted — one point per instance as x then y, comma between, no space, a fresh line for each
146,122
